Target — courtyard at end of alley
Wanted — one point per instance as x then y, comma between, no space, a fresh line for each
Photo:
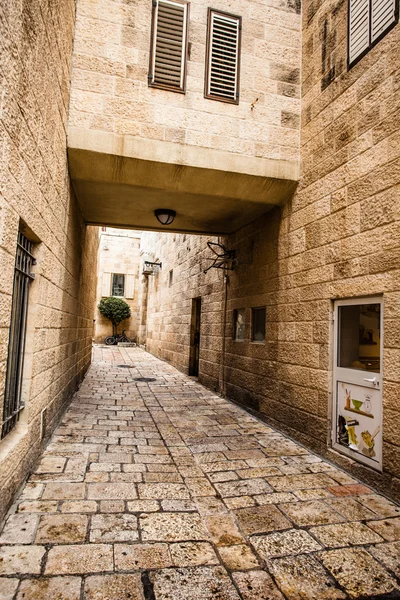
155,488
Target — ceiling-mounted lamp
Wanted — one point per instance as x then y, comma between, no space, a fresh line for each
165,216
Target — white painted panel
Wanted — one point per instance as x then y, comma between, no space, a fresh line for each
106,284
129,286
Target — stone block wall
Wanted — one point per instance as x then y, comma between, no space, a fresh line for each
169,302
110,92
119,252
36,48
339,237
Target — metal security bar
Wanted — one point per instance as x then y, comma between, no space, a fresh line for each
16,347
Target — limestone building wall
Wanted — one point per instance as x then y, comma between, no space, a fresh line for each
339,237
169,301
36,49
110,91
119,253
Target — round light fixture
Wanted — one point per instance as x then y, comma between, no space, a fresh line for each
165,216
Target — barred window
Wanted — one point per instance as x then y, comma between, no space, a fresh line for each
23,276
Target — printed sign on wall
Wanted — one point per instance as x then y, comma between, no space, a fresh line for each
359,426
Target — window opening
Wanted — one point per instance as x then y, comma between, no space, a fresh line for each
23,277
118,285
239,324
359,343
258,324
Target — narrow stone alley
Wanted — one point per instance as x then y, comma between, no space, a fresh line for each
155,488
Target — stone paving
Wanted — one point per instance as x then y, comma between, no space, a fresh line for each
162,490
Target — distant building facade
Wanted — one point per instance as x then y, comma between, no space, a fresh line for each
118,275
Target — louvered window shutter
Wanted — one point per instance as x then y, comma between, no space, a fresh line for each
383,16
368,21
129,286
359,28
169,45
106,284
223,57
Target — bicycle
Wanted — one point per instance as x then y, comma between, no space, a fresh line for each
112,340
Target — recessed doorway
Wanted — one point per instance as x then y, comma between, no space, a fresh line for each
195,337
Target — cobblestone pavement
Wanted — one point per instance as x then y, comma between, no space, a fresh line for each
161,490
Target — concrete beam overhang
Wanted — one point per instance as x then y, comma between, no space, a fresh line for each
120,180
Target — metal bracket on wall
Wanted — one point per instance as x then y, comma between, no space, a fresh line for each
151,268
224,259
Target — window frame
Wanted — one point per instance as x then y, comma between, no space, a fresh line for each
253,309
372,44
153,44
235,315
12,401
112,285
212,11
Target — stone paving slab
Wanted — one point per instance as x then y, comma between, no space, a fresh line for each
165,491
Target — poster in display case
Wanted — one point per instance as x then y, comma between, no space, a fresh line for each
359,425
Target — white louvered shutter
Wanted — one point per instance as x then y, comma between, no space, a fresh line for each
169,45
129,286
383,15
223,57
359,28
106,284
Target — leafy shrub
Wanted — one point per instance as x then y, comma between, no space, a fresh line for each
114,309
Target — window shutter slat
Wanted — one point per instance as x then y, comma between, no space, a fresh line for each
106,284
369,20
169,45
383,15
359,28
222,77
129,286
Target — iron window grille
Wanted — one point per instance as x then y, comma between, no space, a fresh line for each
23,277
118,285
223,57
169,45
368,22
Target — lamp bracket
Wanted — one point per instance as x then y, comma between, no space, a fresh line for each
224,259
151,268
